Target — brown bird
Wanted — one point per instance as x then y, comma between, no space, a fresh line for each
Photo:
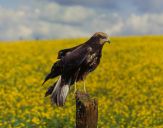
74,65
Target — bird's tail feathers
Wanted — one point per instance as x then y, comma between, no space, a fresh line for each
60,92
50,90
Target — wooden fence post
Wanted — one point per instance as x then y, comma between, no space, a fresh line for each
86,111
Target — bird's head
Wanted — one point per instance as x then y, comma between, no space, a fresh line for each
101,37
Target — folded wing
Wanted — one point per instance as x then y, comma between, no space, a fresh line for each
63,52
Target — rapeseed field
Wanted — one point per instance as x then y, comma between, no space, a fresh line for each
128,84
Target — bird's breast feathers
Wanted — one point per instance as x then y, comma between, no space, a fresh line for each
90,57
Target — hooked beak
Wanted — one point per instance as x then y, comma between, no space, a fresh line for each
108,40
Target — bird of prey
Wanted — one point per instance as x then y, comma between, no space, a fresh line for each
73,65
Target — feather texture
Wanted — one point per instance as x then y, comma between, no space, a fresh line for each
75,64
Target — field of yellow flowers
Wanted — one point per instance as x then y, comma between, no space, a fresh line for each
128,84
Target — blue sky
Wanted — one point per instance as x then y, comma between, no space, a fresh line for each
46,19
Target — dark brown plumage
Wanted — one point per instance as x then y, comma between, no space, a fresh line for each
75,64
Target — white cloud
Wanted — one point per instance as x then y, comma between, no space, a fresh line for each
51,20
43,21
145,24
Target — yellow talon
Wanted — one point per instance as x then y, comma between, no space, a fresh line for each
84,87
75,88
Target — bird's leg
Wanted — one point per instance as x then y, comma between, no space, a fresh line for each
84,86
76,79
75,88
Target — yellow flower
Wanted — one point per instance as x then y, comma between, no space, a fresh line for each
35,120
127,83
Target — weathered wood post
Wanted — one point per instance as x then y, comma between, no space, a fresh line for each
86,111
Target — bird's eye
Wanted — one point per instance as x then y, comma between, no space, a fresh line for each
103,37
100,36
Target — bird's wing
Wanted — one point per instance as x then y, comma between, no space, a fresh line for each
63,52
56,70
75,58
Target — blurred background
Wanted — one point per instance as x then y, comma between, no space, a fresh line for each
47,19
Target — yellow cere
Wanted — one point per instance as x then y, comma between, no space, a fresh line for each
128,84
